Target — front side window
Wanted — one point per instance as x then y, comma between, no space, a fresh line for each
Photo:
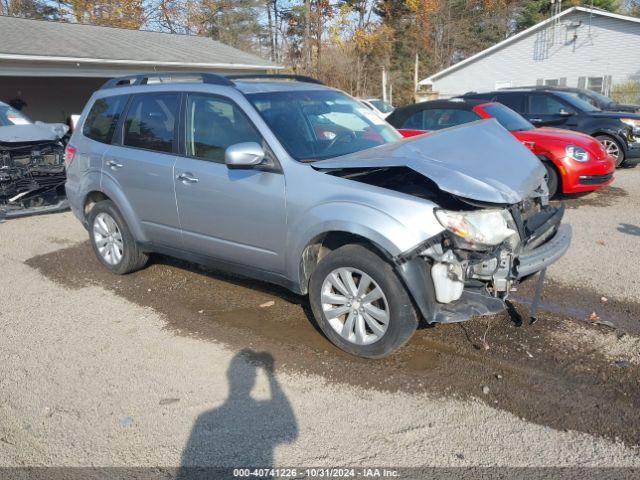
315,125
214,124
150,122
545,105
507,117
439,118
577,102
103,117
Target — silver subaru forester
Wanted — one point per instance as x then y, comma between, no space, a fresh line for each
283,179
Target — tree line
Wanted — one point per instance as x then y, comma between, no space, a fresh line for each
354,45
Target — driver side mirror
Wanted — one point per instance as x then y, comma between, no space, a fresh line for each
244,155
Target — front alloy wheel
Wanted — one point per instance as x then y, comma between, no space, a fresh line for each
355,306
612,147
360,303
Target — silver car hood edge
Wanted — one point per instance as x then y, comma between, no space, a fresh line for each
480,161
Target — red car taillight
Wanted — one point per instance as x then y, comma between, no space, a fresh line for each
69,153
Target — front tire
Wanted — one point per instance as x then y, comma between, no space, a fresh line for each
553,179
360,303
112,240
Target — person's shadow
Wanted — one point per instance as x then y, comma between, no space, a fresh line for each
243,432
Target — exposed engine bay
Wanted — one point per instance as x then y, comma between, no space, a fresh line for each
32,176
472,275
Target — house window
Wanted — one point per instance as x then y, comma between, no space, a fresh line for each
596,84
553,82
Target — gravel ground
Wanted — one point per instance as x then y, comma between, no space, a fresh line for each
606,243
90,378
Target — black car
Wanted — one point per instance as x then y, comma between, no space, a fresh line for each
618,132
594,98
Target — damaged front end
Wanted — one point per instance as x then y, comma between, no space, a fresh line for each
471,275
32,170
489,204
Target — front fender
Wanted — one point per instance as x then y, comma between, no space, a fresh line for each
386,232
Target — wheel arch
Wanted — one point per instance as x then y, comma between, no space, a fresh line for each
107,192
320,245
549,161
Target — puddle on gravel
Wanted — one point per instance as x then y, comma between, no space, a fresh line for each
528,371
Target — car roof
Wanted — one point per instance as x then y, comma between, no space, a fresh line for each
400,115
263,86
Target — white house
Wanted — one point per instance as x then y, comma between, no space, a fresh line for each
54,67
580,47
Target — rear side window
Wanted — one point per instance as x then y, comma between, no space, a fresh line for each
439,118
515,101
103,118
150,122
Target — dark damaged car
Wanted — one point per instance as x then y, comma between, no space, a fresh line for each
294,183
32,172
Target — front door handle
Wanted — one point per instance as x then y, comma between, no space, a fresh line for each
536,120
187,178
114,165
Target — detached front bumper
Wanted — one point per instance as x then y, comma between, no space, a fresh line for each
531,262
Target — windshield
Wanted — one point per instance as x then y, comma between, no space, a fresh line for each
594,98
315,125
381,105
507,117
11,116
577,102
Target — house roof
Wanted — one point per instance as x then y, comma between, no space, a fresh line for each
50,41
514,38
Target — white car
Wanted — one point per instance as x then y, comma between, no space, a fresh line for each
382,108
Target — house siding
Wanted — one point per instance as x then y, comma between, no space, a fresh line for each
604,46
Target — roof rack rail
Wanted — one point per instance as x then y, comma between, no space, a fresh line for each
275,76
166,77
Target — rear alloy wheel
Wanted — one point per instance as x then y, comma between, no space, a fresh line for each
360,303
112,241
612,147
553,180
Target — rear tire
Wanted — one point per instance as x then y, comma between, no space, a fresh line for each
553,179
613,148
376,316
112,240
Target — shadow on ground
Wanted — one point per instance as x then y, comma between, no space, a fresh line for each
254,427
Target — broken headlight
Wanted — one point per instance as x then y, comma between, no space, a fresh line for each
478,228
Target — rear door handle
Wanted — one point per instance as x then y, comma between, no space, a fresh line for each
114,165
536,120
187,178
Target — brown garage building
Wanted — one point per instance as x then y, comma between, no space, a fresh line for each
53,67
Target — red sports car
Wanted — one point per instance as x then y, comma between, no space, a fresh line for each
575,162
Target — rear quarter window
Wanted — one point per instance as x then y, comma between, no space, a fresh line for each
103,117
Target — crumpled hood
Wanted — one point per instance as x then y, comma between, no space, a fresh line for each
480,161
37,132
